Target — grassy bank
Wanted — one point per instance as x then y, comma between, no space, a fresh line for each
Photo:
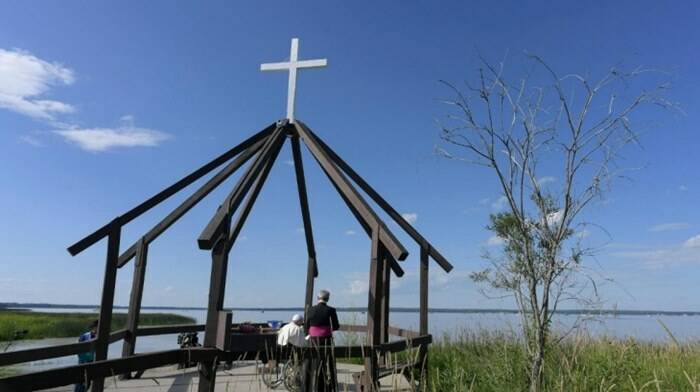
57,325
497,362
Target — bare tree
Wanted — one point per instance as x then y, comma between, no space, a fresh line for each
523,132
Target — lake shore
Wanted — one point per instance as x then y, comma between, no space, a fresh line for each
40,325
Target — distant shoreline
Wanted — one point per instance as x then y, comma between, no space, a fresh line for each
602,312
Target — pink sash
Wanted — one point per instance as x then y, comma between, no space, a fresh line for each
320,332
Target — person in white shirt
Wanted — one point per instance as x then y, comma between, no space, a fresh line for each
292,333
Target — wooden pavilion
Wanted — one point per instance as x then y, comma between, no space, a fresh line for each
223,340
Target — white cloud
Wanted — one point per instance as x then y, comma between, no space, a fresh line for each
686,253
554,218
669,226
25,79
289,162
410,217
499,204
350,232
358,286
545,180
103,139
583,234
682,188
31,140
495,241
692,242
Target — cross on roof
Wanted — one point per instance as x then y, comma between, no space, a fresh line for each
292,65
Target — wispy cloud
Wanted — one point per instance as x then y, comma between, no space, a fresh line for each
670,226
350,232
554,218
687,252
494,241
103,139
682,188
25,80
32,140
546,180
410,217
358,286
499,204
583,234
289,162
692,242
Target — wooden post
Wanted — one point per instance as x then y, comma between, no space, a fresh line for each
312,268
423,328
424,262
217,287
374,311
107,302
132,319
386,286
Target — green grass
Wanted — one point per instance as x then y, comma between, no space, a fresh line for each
58,325
488,361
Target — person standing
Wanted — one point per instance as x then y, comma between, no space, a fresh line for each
88,356
319,369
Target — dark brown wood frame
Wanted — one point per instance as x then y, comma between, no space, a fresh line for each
221,342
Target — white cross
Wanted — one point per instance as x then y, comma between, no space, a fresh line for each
292,65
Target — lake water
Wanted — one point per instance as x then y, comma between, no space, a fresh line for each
642,327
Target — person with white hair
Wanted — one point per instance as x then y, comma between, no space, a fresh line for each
292,333
319,366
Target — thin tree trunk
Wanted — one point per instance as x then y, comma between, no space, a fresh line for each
536,371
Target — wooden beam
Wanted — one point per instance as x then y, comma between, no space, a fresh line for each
217,288
386,288
132,319
92,371
303,200
107,302
48,352
382,203
312,265
343,185
117,335
169,191
423,310
223,336
398,271
374,310
424,307
254,192
169,329
191,201
233,200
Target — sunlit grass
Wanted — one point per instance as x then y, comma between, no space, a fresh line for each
54,325
497,361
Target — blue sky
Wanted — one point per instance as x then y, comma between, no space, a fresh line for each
104,104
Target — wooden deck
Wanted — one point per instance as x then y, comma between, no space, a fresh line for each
242,378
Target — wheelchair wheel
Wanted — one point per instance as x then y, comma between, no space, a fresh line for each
291,375
272,374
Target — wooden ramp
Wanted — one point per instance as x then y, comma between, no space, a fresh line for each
242,378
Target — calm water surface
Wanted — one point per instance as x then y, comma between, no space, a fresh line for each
640,327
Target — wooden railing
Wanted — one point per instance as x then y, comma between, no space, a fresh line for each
139,362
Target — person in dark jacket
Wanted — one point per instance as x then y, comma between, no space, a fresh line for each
319,367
